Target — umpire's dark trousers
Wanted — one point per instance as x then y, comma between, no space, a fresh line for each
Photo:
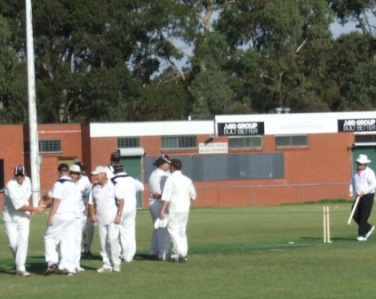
362,213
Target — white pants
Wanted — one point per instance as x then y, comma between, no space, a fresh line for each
80,223
17,229
128,234
159,237
61,232
110,246
177,226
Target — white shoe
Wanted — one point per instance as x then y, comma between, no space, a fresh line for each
370,232
23,273
116,268
361,239
104,269
79,269
174,257
162,257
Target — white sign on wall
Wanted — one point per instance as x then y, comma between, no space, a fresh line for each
213,148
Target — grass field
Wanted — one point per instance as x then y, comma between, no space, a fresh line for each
251,252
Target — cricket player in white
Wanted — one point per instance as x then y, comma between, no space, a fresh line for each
88,227
160,237
61,224
16,216
107,214
177,195
75,174
126,190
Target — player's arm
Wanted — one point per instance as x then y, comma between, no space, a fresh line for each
38,209
165,204
119,211
92,215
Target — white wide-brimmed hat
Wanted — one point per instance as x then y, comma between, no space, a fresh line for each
363,159
75,168
161,223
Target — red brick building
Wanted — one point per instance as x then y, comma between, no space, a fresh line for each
234,160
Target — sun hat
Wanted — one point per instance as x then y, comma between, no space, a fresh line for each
82,166
99,169
75,168
363,159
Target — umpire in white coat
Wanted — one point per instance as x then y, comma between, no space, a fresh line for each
177,195
363,184
16,216
126,189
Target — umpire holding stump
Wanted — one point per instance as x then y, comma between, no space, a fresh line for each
363,184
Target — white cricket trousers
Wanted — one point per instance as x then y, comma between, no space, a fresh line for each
160,238
110,246
17,229
80,224
177,227
128,234
61,232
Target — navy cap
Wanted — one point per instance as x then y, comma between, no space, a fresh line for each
19,170
63,167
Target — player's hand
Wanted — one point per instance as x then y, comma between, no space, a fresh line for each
93,219
117,219
40,208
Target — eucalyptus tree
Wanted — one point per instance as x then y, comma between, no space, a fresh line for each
360,12
95,58
277,47
13,104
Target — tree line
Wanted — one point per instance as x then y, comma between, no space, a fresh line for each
130,60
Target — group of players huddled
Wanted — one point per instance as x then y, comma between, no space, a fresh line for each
110,203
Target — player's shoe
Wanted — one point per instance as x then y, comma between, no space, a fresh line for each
50,269
116,268
23,273
104,269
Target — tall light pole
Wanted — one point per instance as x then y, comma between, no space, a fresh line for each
34,146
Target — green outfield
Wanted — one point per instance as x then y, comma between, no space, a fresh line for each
251,252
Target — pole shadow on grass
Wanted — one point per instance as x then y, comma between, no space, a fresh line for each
34,266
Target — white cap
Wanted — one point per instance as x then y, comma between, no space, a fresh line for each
99,169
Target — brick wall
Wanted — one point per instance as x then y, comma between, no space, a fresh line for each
326,161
